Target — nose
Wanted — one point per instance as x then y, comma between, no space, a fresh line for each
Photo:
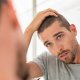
58,48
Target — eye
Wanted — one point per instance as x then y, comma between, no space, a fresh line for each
60,36
48,44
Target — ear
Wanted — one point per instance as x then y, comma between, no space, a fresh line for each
73,29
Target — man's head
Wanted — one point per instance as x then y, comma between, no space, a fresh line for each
11,42
59,37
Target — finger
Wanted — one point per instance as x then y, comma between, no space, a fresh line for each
48,13
53,10
50,10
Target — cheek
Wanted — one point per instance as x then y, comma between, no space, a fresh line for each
68,42
52,51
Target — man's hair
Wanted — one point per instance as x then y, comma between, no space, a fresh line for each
50,20
2,2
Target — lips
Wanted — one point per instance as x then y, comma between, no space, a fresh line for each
63,55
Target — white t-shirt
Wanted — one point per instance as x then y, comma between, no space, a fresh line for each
54,69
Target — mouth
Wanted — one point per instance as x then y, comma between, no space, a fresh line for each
63,56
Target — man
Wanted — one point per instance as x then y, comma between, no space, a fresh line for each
63,61
12,48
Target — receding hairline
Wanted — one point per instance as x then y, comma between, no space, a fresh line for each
51,19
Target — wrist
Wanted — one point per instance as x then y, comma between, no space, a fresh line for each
30,30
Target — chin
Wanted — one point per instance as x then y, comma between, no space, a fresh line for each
68,62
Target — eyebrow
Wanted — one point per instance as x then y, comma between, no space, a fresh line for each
53,36
57,34
45,42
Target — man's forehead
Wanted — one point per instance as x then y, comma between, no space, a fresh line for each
50,32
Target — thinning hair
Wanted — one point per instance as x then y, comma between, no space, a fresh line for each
51,19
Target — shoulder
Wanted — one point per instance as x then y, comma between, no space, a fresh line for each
46,57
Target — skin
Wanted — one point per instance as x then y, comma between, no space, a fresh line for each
12,48
12,45
34,70
61,42
64,42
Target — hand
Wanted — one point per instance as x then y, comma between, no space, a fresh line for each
40,17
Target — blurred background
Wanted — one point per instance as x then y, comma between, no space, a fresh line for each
27,9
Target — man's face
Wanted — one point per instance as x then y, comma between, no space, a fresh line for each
60,41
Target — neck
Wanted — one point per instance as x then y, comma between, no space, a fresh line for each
77,58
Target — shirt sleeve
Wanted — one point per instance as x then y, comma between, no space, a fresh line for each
41,61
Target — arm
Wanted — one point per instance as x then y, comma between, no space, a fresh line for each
34,70
34,25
